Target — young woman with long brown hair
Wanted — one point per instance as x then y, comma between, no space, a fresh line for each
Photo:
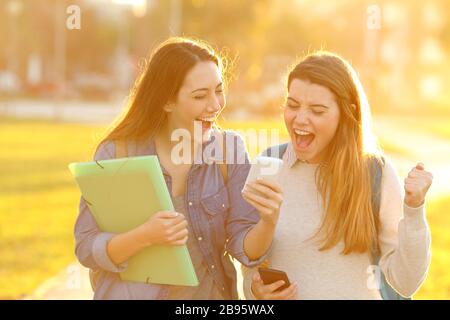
182,85
329,225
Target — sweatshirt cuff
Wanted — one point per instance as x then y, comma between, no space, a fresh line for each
415,216
100,254
252,295
247,274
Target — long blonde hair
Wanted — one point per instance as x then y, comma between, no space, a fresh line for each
344,179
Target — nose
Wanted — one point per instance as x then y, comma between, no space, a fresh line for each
214,105
302,117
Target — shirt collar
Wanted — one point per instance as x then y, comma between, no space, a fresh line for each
150,149
291,158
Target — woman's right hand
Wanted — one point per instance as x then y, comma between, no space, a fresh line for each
164,228
268,292
266,196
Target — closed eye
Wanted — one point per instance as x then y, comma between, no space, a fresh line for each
292,106
318,112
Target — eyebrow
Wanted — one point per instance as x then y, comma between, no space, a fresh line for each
319,105
292,99
313,105
206,89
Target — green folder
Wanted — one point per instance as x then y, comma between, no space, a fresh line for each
122,194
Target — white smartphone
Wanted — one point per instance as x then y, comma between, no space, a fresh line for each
265,168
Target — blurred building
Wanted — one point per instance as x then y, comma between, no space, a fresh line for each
402,60
406,60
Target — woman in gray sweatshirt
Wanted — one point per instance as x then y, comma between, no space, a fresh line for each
335,222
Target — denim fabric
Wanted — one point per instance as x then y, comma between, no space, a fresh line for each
220,217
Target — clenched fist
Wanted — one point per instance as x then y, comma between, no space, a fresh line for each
416,186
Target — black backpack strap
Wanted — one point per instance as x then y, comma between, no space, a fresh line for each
276,151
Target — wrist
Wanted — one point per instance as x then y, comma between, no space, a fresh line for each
268,223
140,237
414,204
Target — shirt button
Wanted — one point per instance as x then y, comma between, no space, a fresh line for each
212,266
223,288
190,203
223,205
199,238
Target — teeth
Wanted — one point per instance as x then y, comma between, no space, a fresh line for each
206,119
301,132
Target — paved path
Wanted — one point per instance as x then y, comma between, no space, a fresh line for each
67,111
71,283
420,145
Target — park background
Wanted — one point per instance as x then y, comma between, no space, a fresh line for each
62,83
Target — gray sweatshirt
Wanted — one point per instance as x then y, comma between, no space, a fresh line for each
404,241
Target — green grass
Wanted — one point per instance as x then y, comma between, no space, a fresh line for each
39,203
439,128
437,284
38,200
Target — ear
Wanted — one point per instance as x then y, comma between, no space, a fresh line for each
168,107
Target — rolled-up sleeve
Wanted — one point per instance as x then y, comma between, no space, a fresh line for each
90,242
242,217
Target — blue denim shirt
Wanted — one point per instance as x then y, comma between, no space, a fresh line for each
220,218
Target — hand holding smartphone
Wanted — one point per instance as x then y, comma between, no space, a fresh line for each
269,276
265,195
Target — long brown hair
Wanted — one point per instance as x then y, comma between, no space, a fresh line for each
158,85
343,179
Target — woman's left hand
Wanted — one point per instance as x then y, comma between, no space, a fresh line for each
416,186
266,196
